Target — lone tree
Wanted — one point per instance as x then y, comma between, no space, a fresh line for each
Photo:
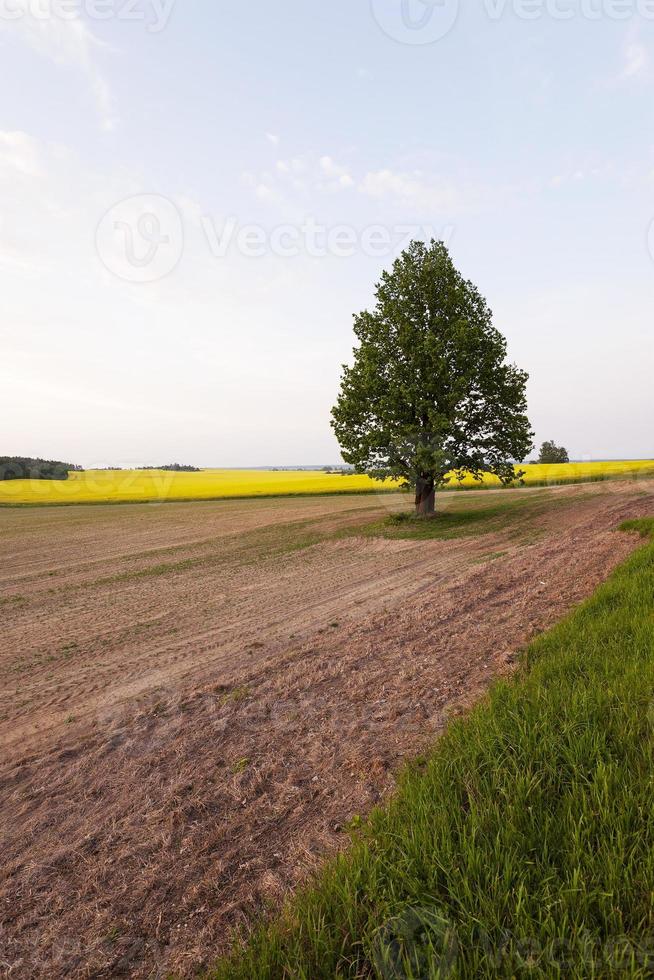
430,392
551,453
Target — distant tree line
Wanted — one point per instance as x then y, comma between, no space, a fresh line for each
26,468
173,468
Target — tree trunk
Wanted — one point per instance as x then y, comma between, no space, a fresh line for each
425,497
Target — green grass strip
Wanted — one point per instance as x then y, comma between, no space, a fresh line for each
523,845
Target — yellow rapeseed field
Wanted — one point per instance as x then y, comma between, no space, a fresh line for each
97,486
553,473
110,486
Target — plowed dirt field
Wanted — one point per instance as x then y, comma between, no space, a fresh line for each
196,698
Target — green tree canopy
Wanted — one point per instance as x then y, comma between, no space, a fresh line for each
551,453
27,468
430,391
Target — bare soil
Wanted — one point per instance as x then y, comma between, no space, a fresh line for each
196,699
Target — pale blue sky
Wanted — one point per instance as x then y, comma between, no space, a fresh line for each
527,143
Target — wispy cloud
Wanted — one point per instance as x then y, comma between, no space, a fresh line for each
304,174
311,177
635,60
19,153
335,172
415,189
68,42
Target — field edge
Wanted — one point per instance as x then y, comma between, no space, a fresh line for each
571,733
